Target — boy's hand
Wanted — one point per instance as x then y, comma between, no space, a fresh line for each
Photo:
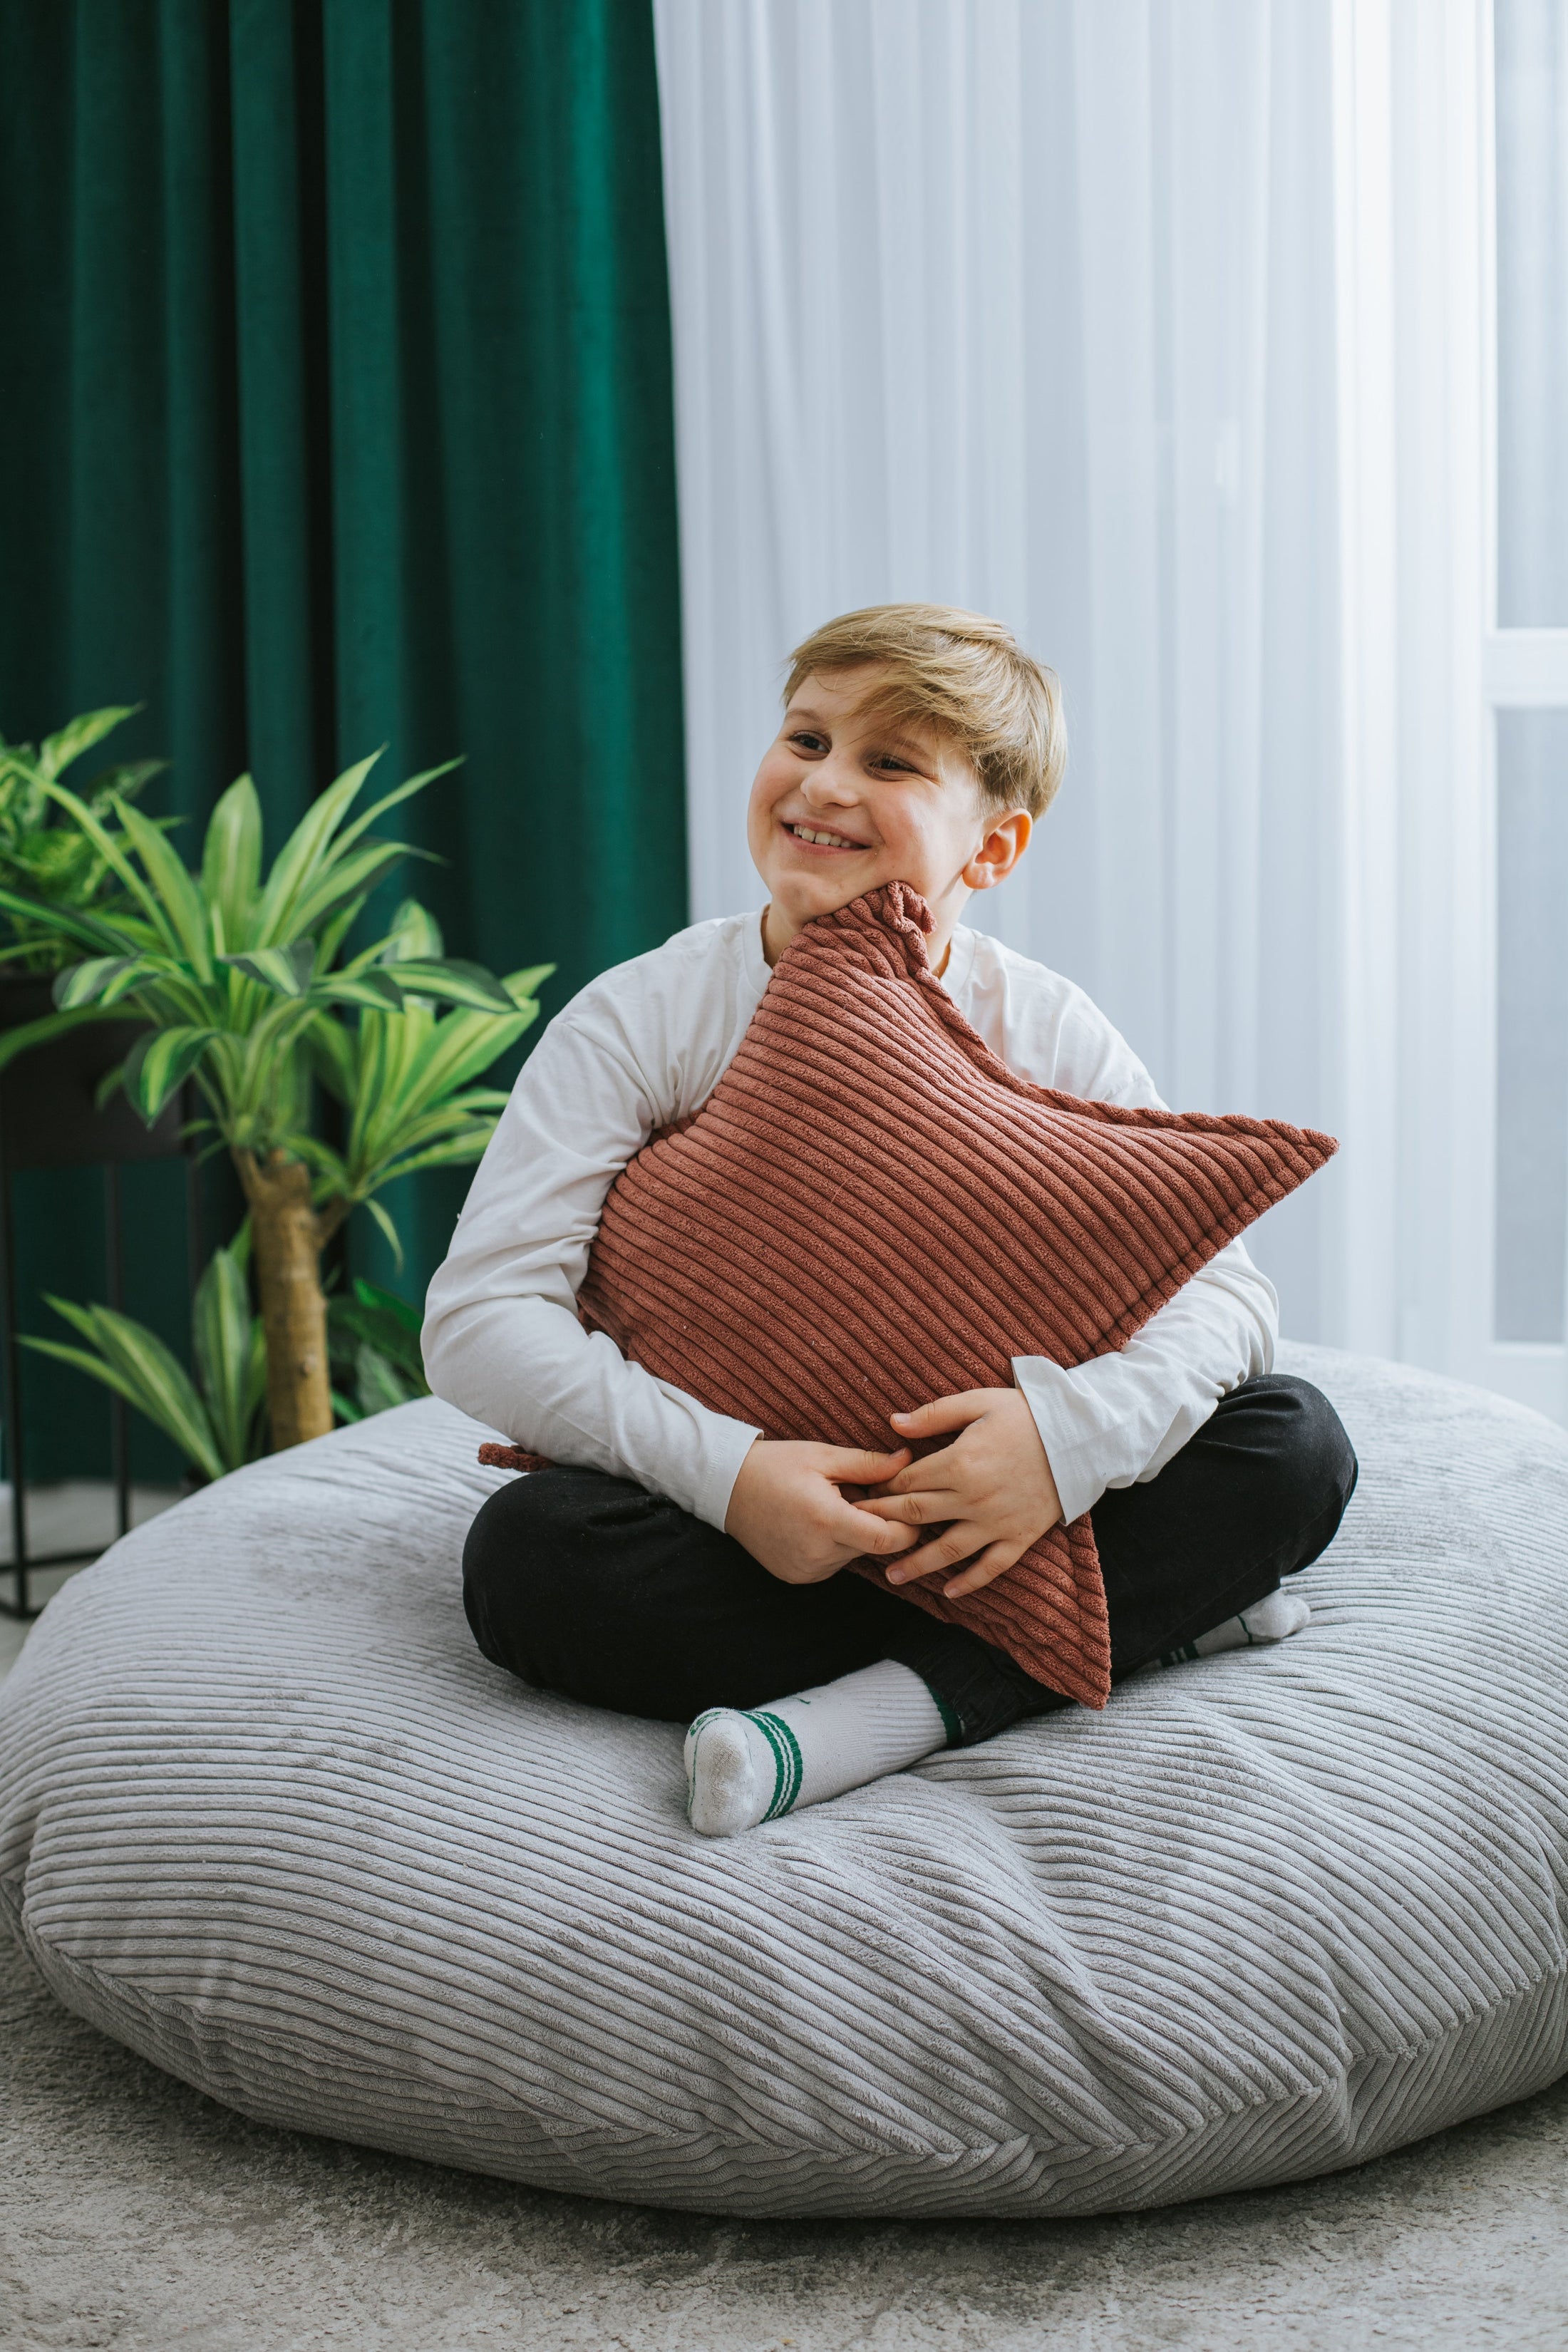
787,1509
994,1484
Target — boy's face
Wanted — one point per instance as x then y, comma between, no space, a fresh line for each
844,800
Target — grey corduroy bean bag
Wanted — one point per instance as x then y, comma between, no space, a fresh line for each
266,1816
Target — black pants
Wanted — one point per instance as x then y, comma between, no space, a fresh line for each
589,1585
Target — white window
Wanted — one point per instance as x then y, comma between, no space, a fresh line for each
1525,684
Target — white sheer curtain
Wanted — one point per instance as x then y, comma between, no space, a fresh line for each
1053,308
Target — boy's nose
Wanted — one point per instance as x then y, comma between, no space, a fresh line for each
828,786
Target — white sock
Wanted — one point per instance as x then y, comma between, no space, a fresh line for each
1273,1619
748,1765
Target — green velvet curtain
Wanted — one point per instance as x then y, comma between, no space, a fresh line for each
336,410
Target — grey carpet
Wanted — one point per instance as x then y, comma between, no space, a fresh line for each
139,2216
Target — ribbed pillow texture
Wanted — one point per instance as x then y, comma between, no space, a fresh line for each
871,1210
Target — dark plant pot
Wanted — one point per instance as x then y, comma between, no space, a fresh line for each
49,1117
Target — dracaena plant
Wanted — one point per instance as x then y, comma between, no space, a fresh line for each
241,981
218,1419
45,860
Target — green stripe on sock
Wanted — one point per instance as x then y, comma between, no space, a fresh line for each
950,1722
789,1769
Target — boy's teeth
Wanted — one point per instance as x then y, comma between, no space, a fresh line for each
828,840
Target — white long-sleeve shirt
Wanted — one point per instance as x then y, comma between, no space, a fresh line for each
647,1044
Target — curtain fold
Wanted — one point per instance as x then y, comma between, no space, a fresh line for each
337,412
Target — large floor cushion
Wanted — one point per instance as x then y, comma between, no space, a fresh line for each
266,1816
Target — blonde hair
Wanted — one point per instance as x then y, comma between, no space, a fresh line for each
962,675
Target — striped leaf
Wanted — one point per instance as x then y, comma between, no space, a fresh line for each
453,980
178,893
298,864
88,983
158,1066
135,1363
523,986
89,931
374,989
288,969
78,735
363,823
224,1334
231,863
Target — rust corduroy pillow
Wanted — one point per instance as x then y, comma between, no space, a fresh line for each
871,1210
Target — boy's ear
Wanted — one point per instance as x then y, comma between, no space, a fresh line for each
1000,851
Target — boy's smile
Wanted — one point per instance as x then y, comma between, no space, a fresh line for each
847,799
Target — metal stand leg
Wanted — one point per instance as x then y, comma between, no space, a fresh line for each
118,1414
10,1371
195,1254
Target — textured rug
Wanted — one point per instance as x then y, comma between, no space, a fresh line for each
139,2216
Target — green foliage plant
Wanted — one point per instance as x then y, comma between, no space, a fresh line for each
44,861
374,1339
247,987
217,1420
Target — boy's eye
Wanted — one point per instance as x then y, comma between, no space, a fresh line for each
806,741
886,760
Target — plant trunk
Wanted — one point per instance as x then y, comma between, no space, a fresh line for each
286,1236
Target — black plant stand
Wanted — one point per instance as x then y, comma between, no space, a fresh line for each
48,1119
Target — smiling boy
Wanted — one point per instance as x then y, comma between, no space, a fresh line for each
678,1565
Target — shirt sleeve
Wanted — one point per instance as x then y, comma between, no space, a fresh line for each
1117,1420
501,1338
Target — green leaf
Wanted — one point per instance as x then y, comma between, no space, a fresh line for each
123,782
289,970
299,860
375,989
522,986
134,1361
178,893
454,981
86,984
414,932
402,791
89,931
458,1151
387,1227
377,1383
224,1333
231,862
79,735
346,877
158,1066
113,856
380,1320
387,1302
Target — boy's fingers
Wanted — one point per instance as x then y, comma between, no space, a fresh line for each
929,1476
910,1510
960,1542
943,1413
858,1528
859,1469
991,1564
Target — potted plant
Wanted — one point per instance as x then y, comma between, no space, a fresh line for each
244,980
49,1104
